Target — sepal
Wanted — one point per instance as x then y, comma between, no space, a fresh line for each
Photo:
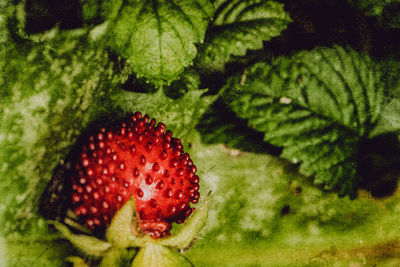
153,255
190,229
122,238
119,232
89,245
117,257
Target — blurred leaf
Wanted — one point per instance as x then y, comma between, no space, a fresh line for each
46,253
50,92
12,17
90,10
260,201
387,12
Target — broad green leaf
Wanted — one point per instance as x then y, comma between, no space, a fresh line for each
317,105
239,26
157,37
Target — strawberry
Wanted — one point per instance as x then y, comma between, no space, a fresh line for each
135,159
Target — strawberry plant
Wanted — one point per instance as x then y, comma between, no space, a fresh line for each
277,142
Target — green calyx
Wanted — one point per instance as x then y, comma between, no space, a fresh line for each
122,242
160,256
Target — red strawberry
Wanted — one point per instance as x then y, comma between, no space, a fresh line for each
137,159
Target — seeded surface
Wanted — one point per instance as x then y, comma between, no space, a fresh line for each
138,159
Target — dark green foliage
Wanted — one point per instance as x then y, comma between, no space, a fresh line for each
239,26
387,12
220,125
317,105
157,37
330,111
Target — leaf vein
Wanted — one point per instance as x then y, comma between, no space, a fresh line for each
345,83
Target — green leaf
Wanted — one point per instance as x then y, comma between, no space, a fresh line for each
391,70
219,125
90,10
234,217
389,118
239,26
42,252
157,37
317,105
188,81
284,214
12,18
372,7
180,116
